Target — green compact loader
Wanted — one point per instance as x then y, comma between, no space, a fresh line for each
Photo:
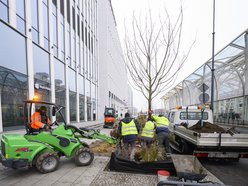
41,148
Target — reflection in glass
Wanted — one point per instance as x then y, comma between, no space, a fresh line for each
20,8
41,64
60,89
45,24
88,109
35,28
72,93
41,73
81,97
20,24
81,107
73,104
55,30
13,49
72,80
13,90
4,12
20,16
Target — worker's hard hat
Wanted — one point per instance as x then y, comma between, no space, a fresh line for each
43,108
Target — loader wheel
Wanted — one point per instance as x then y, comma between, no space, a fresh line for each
47,162
83,157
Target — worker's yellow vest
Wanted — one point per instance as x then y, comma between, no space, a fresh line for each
148,130
161,121
128,128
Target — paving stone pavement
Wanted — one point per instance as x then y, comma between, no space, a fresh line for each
66,174
69,174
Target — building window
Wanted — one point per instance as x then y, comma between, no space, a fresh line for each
60,90
45,24
35,25
68,12
13,49
55,30
62,37
81,98
85,31
20,15
73,49
82,29
13,87
68,44
42,83
72,94
62,7
73,18
88,99
89,40
78,26
4,10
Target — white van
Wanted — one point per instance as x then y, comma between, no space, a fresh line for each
189,115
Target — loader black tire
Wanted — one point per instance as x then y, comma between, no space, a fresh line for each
47,162
83,157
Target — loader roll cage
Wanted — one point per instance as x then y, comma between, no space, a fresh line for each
28,106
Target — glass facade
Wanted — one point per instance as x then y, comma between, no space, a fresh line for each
230,95
13,90
4,10
42,83
14,42
60,89
35,27
55,57
81,97
72,94
20,16
45,24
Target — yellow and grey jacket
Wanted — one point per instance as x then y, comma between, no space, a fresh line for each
148,130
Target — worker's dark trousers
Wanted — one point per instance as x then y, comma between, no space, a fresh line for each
163,141
128,154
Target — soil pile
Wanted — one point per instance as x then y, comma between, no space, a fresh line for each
102,148
207,128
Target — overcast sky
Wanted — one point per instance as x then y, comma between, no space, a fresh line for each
230,21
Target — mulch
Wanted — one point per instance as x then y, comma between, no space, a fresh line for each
207,128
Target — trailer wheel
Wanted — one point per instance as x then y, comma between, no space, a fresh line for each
47,162
83,157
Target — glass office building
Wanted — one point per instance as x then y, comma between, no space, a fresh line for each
48,48
230,84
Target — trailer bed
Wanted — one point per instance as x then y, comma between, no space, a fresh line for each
212,139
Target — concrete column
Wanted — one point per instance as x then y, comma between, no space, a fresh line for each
246,63
77,62
67,104
30,66
1,118
51,56
245,100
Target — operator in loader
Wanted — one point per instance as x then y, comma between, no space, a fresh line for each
40,120
162,131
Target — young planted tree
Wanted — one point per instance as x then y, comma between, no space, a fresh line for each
152,53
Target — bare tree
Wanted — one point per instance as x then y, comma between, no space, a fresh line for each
152,54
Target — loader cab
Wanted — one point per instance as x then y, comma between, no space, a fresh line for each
31,106
109,117
189,116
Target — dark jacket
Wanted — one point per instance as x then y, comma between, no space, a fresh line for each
132,137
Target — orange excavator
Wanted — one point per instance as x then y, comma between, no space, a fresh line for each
109,117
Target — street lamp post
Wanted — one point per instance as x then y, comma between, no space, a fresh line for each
212,69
